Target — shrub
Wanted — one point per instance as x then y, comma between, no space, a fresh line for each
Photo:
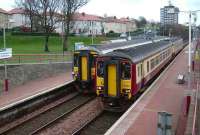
1,32
32,34
112,34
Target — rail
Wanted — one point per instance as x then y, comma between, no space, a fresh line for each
195,127
38,58
50,123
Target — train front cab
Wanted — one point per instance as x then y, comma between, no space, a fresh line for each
84,67
114,81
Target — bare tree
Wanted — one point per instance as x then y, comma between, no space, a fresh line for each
44,13
48,14
69,7
28,7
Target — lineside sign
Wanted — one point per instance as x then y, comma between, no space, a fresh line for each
6,53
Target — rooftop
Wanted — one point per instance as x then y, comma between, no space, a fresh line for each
3,11
16,11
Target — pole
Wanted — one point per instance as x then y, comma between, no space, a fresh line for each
5,62
92,34
189,51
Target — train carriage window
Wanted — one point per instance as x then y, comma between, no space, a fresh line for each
100,69
152,63
138,70
76,60
126,71
147,66
157,60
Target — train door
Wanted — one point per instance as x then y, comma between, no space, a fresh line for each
84,68
112,79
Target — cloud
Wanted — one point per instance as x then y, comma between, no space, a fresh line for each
7,4
150,9
124,8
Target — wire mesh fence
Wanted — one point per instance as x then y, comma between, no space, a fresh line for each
38,58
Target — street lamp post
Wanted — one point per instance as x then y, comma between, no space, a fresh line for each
190,43
92,34
190,33
5,61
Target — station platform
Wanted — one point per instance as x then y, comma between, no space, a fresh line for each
32,88
164,95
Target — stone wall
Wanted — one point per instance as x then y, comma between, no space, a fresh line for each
23,73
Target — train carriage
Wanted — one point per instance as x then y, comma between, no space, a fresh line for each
84,66
123,73
83,63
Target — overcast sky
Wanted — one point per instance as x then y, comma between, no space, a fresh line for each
150,9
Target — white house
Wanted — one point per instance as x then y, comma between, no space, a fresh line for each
4,18
87,24
112,24
83,24
18,18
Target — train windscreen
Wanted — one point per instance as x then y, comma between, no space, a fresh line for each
76,60
126,71
100,71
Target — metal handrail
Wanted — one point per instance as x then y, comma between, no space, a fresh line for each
39,58
195,112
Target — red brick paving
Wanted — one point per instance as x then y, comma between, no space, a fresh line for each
32,87
165,95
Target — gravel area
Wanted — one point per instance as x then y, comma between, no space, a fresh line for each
74,121
30,126
101,124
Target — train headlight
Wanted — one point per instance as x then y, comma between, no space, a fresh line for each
99,88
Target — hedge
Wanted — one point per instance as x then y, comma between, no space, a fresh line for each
112,34
32,34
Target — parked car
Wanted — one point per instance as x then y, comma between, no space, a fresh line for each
123,35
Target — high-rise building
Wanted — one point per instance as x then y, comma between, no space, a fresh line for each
169,15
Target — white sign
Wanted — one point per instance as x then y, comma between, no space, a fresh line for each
79,45
6,53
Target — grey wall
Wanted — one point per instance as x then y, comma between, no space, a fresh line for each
23,73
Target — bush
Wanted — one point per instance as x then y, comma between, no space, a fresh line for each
16,29
1,32
32,34
112,34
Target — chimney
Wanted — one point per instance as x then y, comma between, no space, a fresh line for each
83,14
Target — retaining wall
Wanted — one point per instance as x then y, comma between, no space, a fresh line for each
20,74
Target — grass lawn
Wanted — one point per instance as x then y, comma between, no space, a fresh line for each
35,44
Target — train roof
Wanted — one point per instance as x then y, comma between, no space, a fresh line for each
121,45
138,53
106,48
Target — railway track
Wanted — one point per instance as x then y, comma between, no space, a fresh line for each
99,125
15,111
49,117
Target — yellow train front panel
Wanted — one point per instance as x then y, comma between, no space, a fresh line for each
100,85
84,67
112,80
75,72
125,85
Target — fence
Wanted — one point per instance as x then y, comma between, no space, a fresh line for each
193,122
38,58
196,118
